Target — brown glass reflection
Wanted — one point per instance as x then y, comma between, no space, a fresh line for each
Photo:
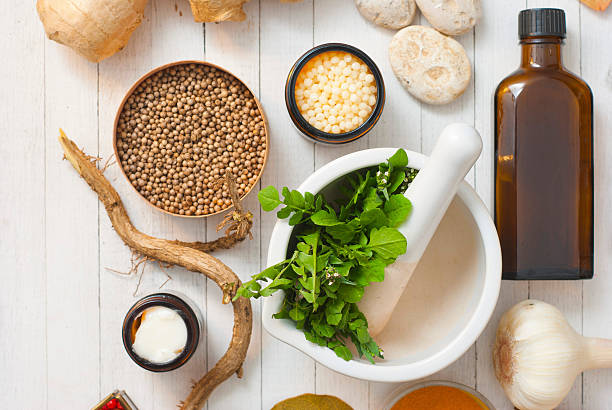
544,167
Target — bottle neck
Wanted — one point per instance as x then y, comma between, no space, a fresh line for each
541,52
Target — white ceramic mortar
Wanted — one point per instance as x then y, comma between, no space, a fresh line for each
469,262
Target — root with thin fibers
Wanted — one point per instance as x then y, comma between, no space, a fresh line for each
189,255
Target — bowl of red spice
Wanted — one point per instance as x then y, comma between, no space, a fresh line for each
181,129
437,395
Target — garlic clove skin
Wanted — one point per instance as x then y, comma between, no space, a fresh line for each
537,355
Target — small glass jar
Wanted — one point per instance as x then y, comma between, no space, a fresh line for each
116,400
184,307
308,130
399,393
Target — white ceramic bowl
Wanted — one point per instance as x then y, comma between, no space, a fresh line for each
447,303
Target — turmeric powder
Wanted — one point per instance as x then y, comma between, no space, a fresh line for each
439,398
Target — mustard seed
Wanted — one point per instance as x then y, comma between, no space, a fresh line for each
181,129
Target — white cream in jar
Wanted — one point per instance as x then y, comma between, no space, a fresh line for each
161,335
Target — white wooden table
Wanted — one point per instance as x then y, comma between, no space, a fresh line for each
61,308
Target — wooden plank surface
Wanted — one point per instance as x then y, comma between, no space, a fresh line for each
596,65
116,369
58,243
23,309
73,266
285,371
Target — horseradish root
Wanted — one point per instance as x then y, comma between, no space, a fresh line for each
97,29
537,355
182,254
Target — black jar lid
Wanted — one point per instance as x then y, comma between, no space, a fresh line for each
541,22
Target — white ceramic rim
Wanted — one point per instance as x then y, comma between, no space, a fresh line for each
285,330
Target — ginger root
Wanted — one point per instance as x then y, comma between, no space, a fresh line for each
187,255
97,29
217,10
220,10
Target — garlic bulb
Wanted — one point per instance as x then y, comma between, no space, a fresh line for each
537,355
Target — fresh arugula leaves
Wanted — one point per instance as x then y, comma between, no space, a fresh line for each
397,209
341,248
399,159
388,243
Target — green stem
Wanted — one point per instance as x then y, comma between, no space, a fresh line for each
314,273
289,262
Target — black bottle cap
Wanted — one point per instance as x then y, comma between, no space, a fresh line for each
541,22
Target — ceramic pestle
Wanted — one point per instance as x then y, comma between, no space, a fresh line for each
431,193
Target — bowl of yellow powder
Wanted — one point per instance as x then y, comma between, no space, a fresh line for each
437,395
334,93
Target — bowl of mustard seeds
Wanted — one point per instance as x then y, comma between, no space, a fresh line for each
180,128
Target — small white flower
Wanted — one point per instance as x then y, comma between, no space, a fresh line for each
384,181
330,283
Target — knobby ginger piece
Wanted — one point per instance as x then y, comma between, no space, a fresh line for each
599,5
220,10
217,10
96,29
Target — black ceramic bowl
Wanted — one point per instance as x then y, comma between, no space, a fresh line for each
315,134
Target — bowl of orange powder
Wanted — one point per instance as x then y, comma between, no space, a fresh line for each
437,395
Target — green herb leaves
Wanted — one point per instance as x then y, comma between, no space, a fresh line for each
297,208
397,209
325,218
399,159
340,248
389,243
268,198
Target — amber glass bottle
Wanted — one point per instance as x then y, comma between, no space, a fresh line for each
544,159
